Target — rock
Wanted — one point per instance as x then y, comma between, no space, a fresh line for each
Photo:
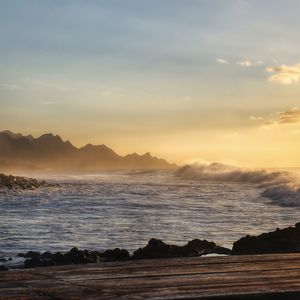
75,256
31,254
47,255
116,254
17,182
32,262
3,268
154,249
159,249
59,258
204,247
279,241
36,261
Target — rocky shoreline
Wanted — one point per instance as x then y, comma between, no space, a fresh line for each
279,241
17,182
154,249
285,240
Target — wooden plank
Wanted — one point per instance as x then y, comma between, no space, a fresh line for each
178,278
174,270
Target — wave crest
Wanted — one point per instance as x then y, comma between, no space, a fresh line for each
281,186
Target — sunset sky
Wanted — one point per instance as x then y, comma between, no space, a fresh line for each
184,79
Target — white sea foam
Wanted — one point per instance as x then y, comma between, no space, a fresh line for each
282,187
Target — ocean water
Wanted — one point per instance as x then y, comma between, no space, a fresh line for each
126,209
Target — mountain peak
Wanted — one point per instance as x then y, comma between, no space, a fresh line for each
49,151
16,135
147,155
50,136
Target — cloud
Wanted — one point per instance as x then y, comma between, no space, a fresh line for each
291,116
253,118
269,124
249,63
9,87
285,74
222,61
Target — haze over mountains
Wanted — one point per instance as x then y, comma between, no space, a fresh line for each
50,152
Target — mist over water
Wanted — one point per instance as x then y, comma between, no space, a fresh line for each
126,209
282,187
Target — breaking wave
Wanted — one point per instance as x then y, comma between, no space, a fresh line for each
282,187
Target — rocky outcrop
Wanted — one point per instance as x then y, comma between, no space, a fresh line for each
159,249
279,241
116,254
154,249
17,182
74,256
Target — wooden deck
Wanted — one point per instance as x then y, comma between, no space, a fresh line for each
235,277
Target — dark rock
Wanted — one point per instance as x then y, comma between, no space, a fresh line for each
47,255
279,241
36,261
205,247
116,254
75,256
32,262
159,249
31,254
17,182
154,249
3,268
59,258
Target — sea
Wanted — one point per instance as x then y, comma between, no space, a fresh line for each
125,209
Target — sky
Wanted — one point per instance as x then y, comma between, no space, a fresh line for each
187,80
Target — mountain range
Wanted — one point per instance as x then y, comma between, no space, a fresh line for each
50,152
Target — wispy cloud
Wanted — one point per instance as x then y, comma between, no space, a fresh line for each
291,116
285,74
253,118
9,87
250,63
222,61
269,124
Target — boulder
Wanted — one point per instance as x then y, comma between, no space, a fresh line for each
74,256
116,254
279,241
159,249
29,254
3,268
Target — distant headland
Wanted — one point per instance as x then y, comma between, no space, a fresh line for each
49,152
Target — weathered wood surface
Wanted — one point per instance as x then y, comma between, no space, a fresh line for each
258,276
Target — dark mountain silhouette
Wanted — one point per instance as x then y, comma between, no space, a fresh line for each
50,152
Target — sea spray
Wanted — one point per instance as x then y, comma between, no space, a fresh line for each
282,187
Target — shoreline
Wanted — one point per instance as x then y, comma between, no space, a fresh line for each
280,241
286,240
